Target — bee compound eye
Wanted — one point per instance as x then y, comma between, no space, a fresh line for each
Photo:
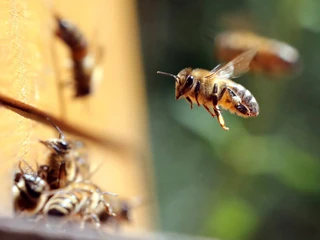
63,145
189,81
190,78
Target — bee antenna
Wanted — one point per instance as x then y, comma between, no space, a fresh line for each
169,74
20,168
61,135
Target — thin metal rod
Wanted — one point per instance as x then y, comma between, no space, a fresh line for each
41,116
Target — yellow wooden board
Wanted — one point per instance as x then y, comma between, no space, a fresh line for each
35,65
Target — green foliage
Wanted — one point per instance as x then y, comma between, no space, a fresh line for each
231,219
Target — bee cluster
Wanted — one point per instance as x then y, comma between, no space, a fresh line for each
62,188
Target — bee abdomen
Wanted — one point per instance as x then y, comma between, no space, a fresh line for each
62,205
83,79
247,99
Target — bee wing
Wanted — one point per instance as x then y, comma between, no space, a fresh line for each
63,181
234,68
25,167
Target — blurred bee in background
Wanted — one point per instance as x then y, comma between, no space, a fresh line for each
80,201
214,88
66,163
123,211
28,191
84,64
273,58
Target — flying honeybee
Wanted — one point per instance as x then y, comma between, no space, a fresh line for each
214,88
65,164
83,63
29,191
274,57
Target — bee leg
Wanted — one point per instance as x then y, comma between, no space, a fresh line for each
220,118
37,219
208,109
93,217
218,114
96,220
217,97
189,100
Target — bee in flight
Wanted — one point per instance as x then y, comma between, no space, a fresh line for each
274,58
214,88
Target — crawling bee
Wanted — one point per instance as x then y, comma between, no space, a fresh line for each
274,58
29,191
83,201
214,88
83,62
65,163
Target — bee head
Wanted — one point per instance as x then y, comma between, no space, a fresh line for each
59,146
63,27
184,81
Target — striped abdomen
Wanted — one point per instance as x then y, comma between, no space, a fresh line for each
237,99
66,203
249,105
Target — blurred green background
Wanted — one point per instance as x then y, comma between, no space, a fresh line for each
260,180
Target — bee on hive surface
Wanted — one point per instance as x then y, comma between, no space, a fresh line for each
83,201
28,191
65,163
83,62
274,57
214,88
